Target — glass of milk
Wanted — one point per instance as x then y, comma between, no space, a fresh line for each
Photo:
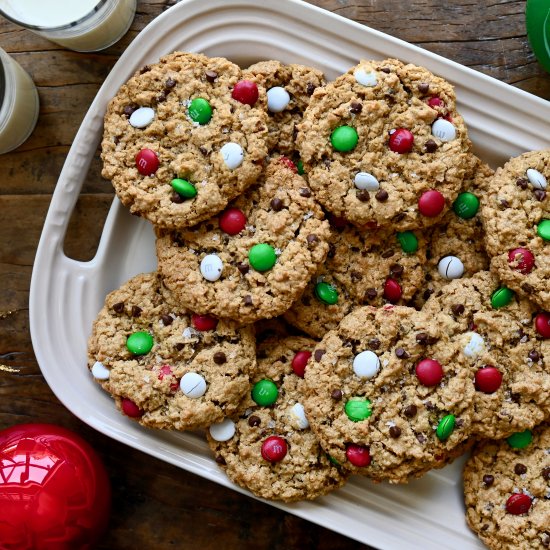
18,104
80,25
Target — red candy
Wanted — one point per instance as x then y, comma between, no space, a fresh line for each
435,102
518,504
147,162
299,362
129,408
429,372
523,258
289,164
392,290
274,449
358,455
542,324
401,141
488,379
166,370
246,92
204,322
232,221
431,203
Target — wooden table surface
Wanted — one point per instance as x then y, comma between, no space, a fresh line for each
156,505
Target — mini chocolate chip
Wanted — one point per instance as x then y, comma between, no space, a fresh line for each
176,197
371,293
528,288
219,358
421,438
355,107
326,163
396,270
459,423
540,195
427,293
374,343
546,540
429,405
179,346
504,204
312,240
387,253
129,109
248,300
203,150
144,69
382,195
399,217
167,320
136,311
221,460
431,146
422,338
305,192
119,307
534,355
276,204
395,431
457,309
243,268
162,96
423,87
485,526
520,469
401,353
488,480
210,75
363,195
410,411
254,420
170,83
515,397
522,183
546,474
431,340
356,276
386,70
283,359
318,354
336,395
116,140
310,88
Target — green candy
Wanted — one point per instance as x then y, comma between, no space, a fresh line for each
520,440
300,166
344,138
466,205
139,343
501,297
408,242
333,460
200,111
543,230
538,30
326,293
184,188
262,257
358,408
265,392
445,427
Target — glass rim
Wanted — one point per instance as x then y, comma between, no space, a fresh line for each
3,77
83,19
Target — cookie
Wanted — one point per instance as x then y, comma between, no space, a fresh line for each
165,367
497,338
383,145
386,394
362,267
507,491
268,448
516,215
289,89
183,137
256,258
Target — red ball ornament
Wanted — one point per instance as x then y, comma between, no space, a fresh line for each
274,449
518,504
232,221
401,141
542,324
358,455
204,322
129,408
429,372
392,290
246,92
166,370
54,490
431,203
299,362
523,260
488,379
147,162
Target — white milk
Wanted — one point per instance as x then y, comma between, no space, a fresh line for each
48,13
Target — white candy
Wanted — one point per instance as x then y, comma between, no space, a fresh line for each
211,267
223,431
364,180
365,78
100,371
142,117
298,416
475,345
450,267
193,385
232,154
444,130
366,364
538,181
277,99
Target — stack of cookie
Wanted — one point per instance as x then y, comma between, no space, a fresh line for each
342,286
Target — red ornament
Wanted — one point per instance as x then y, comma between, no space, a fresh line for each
429,372
488,379
274,449
431,203
299,362
147,162
542,324
129,408
523,260
401,141
358,455
204,322
435,102
392,290
166,370
246,92
232,221
54,490
289,164
518,504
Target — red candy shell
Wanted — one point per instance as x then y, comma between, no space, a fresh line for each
435,102
488,379
129,408
204,322
358,455
431,203
401,141
147,162
518,504
166,370
542,324
232,221
289,164
246,92
392,291
299,362
429,372
523,258
274,449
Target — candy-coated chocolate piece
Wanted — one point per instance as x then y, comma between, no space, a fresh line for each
537,180
129,408
444,130
232,154
204,322
299,362
488,379
542,324
408,242
147,162
366,364
265,392
262,257
466,205
200,111
429,372
245,91
358,455
401,141
522,260
223,431
298,417
392,290
326,293
518,504
274,449
366,181
501,297
431,203
277,99
211,267
100,371
193,385
520,440
139,343
450,267
358,408
232,221
142,117
344,138
365,77
543,230
184,188
445,427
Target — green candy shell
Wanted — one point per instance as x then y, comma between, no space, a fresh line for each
262,257
501,297
543,230
326,293
300,167
265,392
408,242
358,408
537,15
445,427
344,138
184,188
200,111
139,343
520,440
466,205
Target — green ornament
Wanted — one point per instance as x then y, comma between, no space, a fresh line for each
501,297
543,230
408,242
300,166
445,427
537,16
139,343
184,188
333,460
520,440
200,111
466,205
358,408
344,138
262,257
326,293
265,392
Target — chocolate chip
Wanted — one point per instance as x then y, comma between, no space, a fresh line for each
457,309
534,355
355,108
488,480
176,197
119,307
312,240
527,288
221,460
423,88
485,526
116,140
254,420
203,150
395,431
387,253
459,423
399,217
318,354
421,438
336,395
371,293
401,353
167,320
546,474
374,343
429,405
210,75
432,340
382,195
248,300
427,293
363,195
326,163
136,311
179,346
170,83
310,88
396,270
410,411
386,70
522,183
276,204
356,276
243,268
504,204
161,97
422,338
144,69
219,358
520,469
540,195
283,359
546,539
129,109
515,397
431,146
305,192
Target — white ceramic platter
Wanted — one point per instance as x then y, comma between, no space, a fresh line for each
66,295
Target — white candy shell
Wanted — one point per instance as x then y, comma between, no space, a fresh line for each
142,117
366,364
450,267
364,180
232,154
444,130
365,77
211,267
193,385
223,431
277,99
538,181
100,371
475,345
298,416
